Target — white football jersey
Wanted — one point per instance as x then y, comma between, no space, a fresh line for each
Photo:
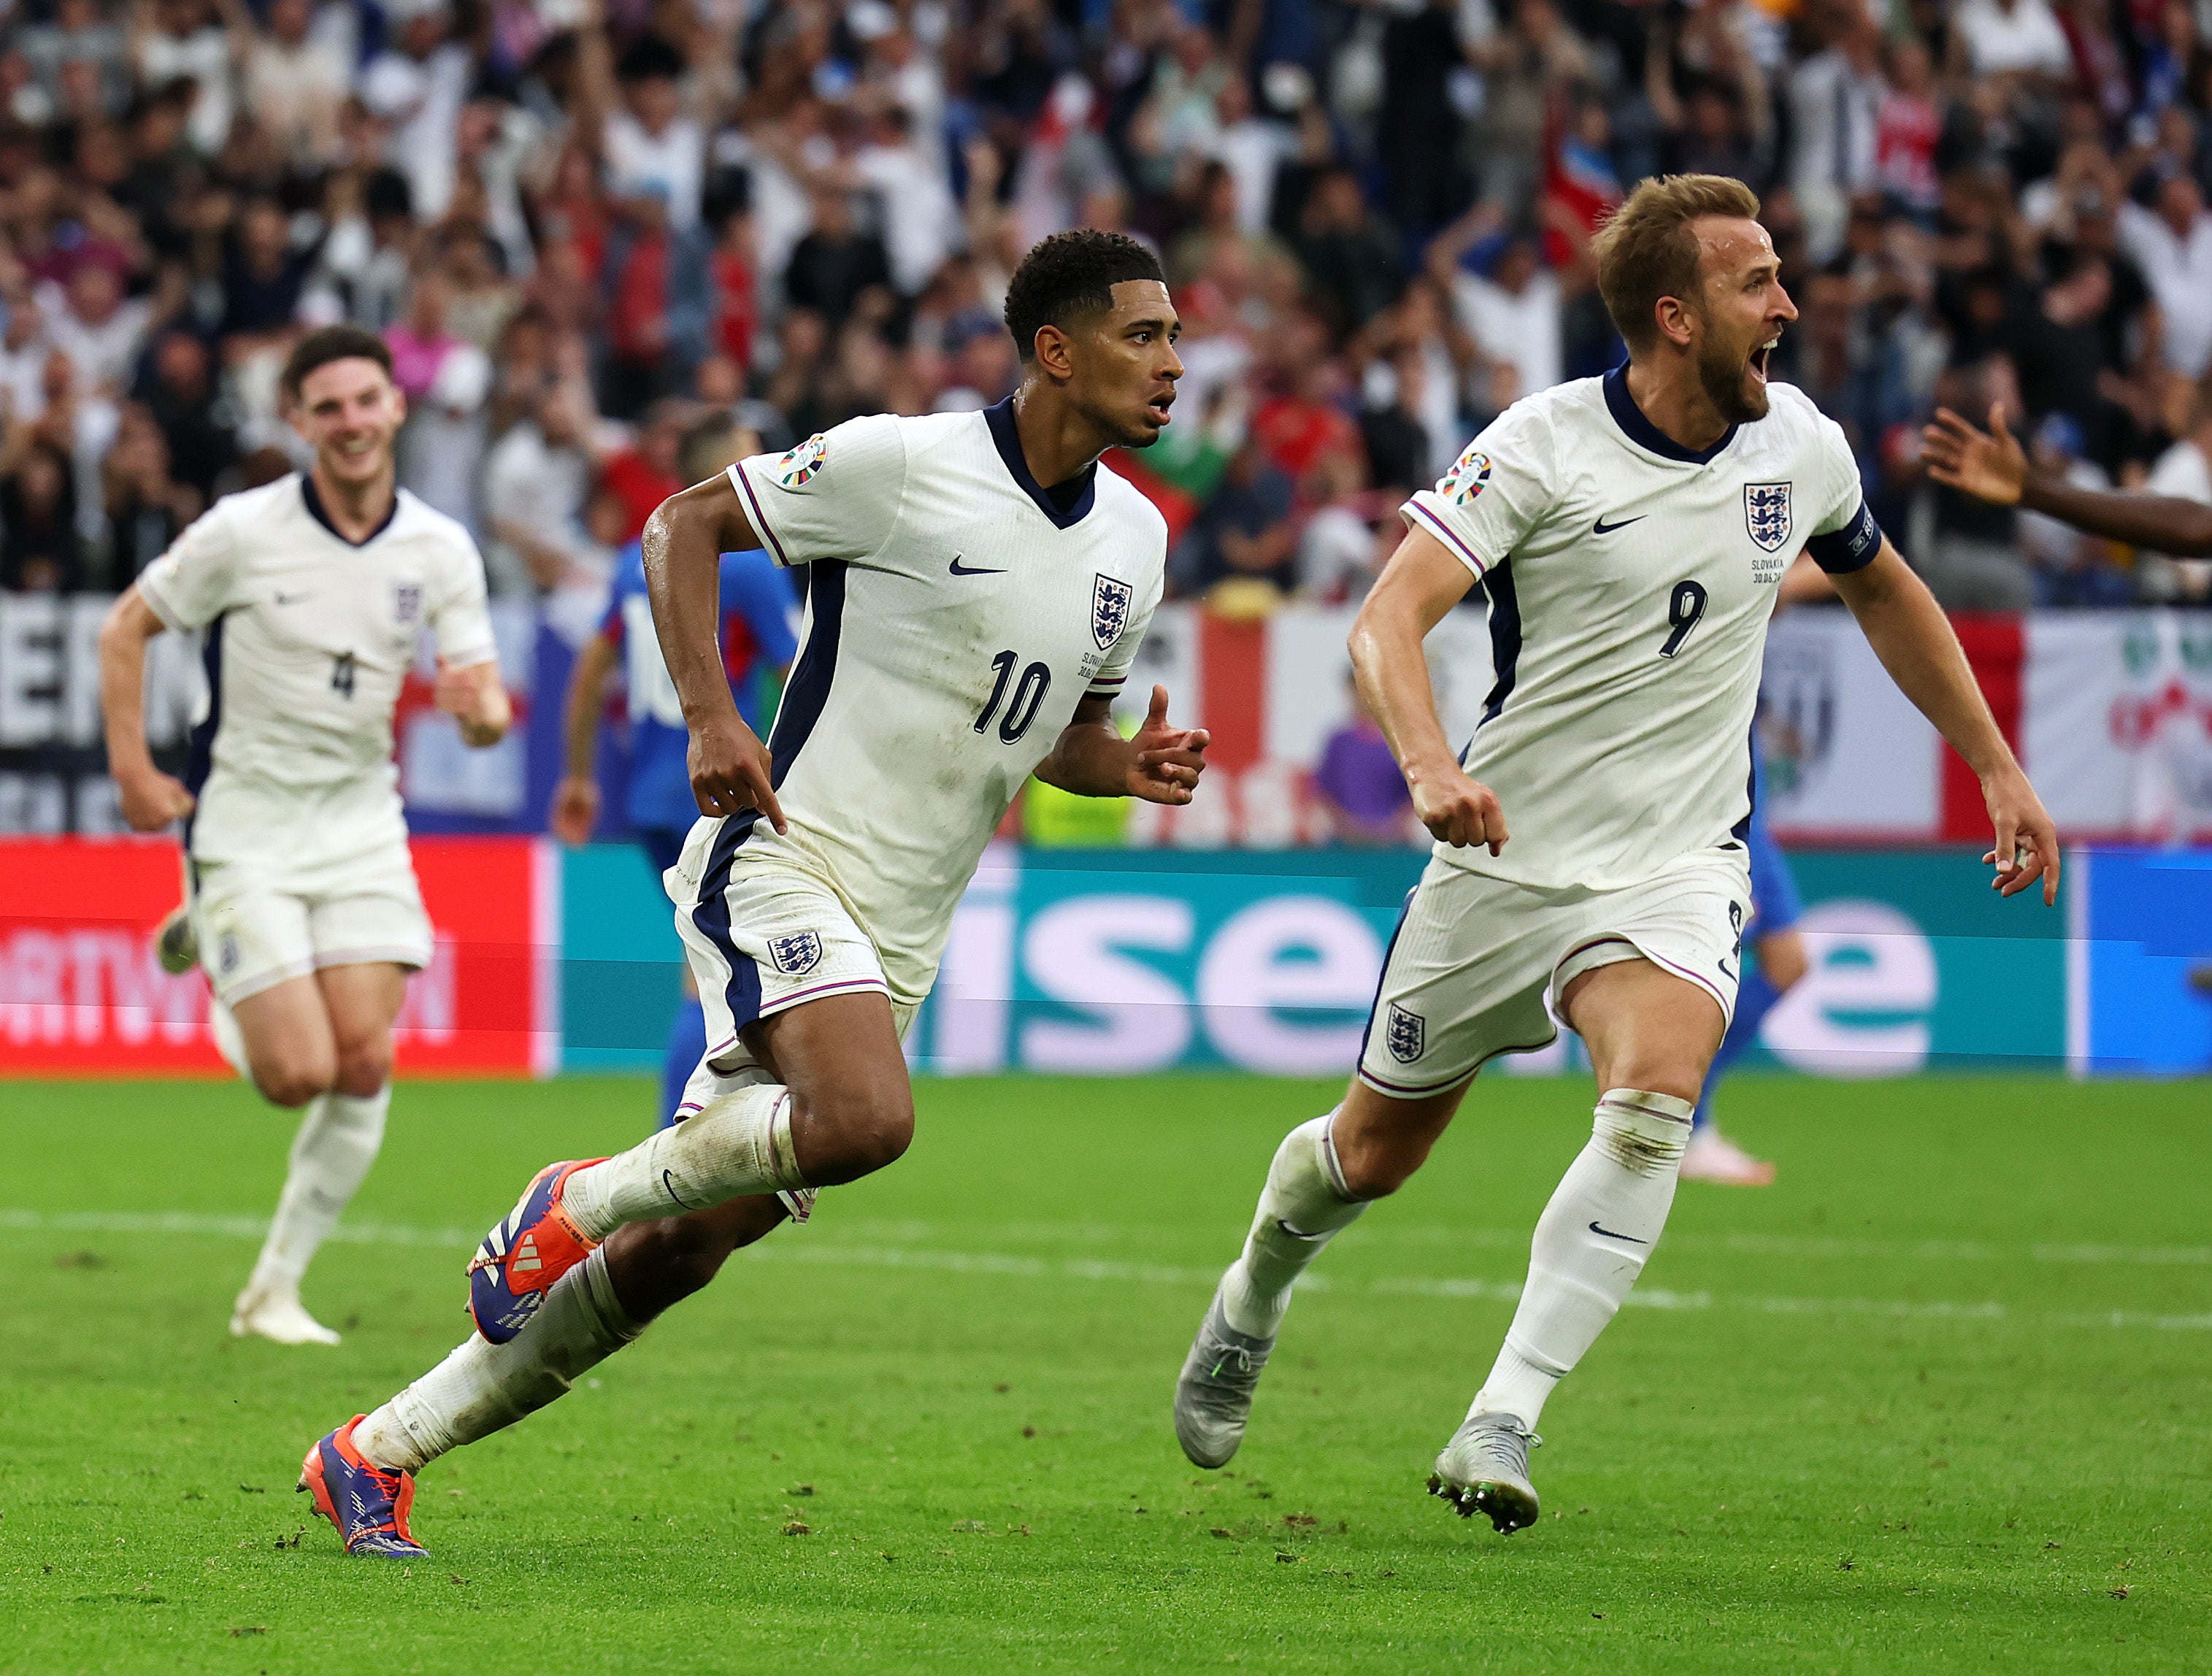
1631,580
955,618
307,640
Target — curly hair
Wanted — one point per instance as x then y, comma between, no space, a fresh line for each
1070,273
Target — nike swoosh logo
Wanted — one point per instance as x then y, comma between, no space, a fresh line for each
1610,1235
960,569
1602,528
294,598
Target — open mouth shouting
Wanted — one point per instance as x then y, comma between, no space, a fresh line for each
1759,360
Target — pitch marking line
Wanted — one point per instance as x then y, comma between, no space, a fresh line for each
1070,1269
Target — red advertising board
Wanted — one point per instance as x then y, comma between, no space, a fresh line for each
80,992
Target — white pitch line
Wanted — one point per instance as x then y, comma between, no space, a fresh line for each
805,1249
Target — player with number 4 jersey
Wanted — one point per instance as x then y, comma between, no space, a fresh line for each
1631,533
976,588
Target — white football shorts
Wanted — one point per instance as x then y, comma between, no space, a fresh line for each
259,926
1474,958
762,936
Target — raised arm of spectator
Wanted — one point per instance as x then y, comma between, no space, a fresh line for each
596,95
1992,466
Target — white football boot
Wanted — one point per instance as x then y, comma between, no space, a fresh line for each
1712,1157
1484,1469
277,1316
1214,1397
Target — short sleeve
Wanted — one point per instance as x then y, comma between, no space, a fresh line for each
1485,505
1844,537
197,580
757,591
1114,673
460,620
833,497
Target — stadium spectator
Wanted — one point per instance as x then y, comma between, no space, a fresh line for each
1357,782
814,213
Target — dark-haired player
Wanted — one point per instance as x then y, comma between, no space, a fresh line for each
977,585
312,593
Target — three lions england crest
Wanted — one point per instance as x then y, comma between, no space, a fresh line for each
796,955
1767,515
1110,610
1404,1034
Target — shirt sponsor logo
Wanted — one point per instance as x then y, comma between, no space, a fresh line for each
796,955
1767,515
1468,477
1405,1033
797,467
1110,610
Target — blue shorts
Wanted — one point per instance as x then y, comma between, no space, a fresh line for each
1774,904
661,845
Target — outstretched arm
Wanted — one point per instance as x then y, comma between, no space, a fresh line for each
1992,466
1161,764
1421,583
685,541
1913,639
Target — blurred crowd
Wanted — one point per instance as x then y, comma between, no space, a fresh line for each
582,225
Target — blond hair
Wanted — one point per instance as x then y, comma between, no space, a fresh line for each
1647,250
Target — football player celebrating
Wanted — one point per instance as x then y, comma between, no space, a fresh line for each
977,585
1631,532
311,593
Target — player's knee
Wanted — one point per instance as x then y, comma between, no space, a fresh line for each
1782,957
363,1070
292,1079
1657,1071
1376,1168
853,1134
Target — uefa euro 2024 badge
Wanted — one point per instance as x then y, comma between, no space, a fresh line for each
1468,477
795,468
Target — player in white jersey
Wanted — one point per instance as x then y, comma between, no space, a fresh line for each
977,585
1630,532
311,595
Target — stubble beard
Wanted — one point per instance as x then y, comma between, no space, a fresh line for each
1725,377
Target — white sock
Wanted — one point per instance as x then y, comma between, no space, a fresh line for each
739,1144
1623,1182
1301,1209
336,1143
482,1386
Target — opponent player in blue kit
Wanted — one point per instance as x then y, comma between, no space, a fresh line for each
756,636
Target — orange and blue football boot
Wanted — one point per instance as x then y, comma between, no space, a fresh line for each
519,1260
368,1505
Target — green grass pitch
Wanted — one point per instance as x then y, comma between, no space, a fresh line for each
1936,1401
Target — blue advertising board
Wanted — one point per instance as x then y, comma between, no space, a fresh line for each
1106,961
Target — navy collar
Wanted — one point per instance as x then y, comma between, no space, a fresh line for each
1645,435
315,511
999,416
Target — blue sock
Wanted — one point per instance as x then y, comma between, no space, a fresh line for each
1754,998
687,1046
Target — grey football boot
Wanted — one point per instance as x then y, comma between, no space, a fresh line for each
1214,1397
1484,1469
